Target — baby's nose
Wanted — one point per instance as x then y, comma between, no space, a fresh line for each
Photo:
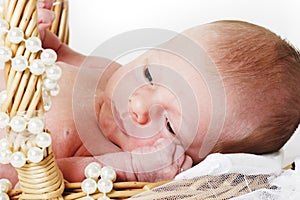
140,103
139,108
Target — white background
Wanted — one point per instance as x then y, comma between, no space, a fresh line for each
94,21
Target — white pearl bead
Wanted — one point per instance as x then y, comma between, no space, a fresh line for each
18,159
93,170
47,102
5,54
87,198
105,185
48,56
36,125
3,96
35,154
19,63
55,91
15,35
33,44
89,186
5,156
5,185
43,140
49,84
4,144
18,124
103,198
4,119
3,26
37,67
54,72
109,173
4,196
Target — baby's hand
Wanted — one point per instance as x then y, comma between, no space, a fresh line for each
45,15
151,164
45,18
162,161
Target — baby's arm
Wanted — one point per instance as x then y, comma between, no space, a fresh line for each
64,52
163,164
50,40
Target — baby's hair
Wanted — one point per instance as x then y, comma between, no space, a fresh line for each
261,74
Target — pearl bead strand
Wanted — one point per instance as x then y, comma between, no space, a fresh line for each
34,126
44,66
5,187
92,182
18,159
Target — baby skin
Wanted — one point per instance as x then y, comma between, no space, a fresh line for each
146,135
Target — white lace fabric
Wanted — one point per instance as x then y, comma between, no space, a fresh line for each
232,176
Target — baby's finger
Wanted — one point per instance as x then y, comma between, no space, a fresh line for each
162,161
47,4
9,172
181,160
187,163
45,19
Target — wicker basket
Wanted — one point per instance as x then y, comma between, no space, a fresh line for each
41,180
60,25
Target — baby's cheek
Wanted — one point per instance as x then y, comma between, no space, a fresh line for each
105,121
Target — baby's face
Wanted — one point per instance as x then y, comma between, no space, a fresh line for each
159,96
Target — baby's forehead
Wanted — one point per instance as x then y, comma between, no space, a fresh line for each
180,54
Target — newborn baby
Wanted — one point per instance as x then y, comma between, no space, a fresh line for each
155,130
260,76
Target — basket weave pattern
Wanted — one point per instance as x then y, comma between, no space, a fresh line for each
41,180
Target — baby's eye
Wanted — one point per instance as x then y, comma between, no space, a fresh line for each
169,126
148,75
